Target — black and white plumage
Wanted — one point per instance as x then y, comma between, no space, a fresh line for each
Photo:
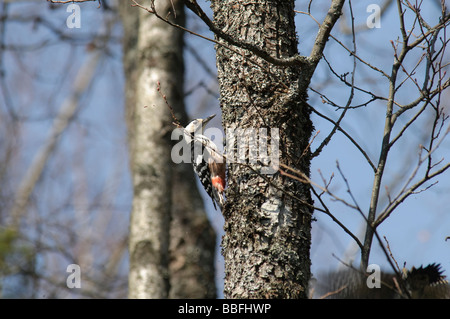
207,161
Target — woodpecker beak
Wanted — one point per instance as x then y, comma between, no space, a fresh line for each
209,118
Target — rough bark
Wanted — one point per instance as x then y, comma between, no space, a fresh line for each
267,217
168,258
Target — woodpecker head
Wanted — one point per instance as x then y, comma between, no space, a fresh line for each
197,125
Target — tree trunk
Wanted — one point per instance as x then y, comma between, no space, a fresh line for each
167,258
267,217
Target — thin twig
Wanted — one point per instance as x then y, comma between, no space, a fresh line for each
328,294
352,92
224,45
291,61
390,254
176,121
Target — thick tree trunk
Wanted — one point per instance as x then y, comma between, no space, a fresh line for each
267,217
167,258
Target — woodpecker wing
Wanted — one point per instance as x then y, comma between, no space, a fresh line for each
200,156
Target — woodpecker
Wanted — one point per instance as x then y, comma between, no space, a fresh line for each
208,163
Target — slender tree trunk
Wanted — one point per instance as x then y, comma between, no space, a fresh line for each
267,217
167,258
192,242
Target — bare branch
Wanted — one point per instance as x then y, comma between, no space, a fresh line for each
352,91
337,221
291,61
390,119
327,25
300,60
328,294
405,192
385,214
